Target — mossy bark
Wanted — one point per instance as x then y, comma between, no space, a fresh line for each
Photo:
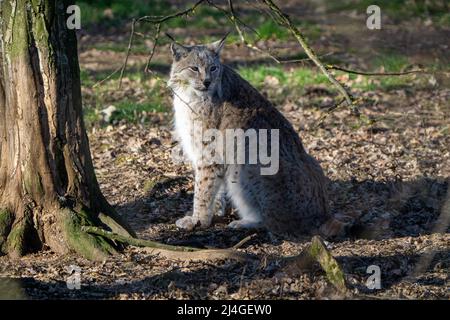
48,188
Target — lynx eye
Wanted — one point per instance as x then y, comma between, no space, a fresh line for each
213,68
195,69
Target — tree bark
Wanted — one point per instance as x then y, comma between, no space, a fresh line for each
48,188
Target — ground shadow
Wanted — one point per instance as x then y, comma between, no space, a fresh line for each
379,210
225,279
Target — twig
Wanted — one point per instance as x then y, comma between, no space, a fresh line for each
241,280
328,112
244,241
287,22
235,20
152,52
363,73
107,78
130,43
159,19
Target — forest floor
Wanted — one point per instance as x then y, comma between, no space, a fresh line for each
389,170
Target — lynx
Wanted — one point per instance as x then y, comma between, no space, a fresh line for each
209,95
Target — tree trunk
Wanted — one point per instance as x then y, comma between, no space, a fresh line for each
48,188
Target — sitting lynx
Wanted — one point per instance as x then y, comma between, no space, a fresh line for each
210,95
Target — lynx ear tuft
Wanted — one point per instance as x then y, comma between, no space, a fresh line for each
178,51
217,46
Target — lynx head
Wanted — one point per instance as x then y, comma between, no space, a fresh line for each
196,69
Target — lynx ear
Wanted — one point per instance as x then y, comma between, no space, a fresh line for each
178,51
217,46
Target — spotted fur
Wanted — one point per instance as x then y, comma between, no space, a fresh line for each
294,200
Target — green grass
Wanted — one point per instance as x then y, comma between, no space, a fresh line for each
116,13
131,106
133,111
437,10
287,78
299,78
269,29
97,12
292,83
391,62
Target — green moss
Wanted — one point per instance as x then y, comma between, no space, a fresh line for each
91,247
40,32
149,185
12,289
32,182
334,273
15,243
6,220
17,28
113,224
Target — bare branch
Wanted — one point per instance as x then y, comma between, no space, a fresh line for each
363,73
161,19
130,43
287,22
237,22
152,52
108,77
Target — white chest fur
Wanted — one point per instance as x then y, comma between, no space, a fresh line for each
184,124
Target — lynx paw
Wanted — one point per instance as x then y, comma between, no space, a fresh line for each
187,223
244,224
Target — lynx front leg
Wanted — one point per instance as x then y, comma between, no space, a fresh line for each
208,180
221,204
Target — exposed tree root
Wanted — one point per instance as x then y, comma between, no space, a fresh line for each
315,252
17,234
89,246
15,243
170,251
201,255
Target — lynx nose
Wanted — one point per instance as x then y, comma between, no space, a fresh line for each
206,83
